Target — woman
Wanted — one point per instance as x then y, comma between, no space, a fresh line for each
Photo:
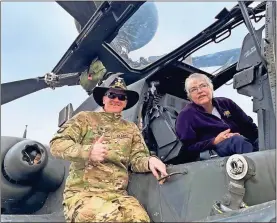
214,123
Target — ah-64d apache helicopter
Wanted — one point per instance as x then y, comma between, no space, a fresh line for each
33,193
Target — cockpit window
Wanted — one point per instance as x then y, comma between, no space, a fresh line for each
158,28
215,57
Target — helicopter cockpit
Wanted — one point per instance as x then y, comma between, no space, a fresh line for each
164,95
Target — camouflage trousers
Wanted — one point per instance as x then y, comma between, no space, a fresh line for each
104,208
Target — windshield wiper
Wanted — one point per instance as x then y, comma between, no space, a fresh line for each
251,30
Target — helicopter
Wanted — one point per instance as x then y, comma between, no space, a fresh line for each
34,192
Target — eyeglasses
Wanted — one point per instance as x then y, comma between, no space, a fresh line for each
112,95
200,87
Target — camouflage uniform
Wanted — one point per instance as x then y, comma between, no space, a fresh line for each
97,192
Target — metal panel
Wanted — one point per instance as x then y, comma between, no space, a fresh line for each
189,197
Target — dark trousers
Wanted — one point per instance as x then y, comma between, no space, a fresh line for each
236,145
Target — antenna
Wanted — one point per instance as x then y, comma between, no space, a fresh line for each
25,132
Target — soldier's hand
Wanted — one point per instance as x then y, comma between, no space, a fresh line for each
157,165
99,151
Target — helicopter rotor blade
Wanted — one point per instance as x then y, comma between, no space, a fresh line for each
17,89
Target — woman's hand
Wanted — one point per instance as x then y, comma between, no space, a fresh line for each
224,135
221,136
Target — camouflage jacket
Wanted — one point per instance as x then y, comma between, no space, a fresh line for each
125,145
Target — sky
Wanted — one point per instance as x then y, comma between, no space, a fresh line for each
35,35
186,25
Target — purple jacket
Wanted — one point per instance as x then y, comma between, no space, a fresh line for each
197,129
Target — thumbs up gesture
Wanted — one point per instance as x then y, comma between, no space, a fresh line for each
99,151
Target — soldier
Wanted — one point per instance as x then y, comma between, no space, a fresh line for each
101,146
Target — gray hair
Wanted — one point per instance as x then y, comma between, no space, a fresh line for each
199,77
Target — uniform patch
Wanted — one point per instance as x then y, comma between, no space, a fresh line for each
227,114
121,135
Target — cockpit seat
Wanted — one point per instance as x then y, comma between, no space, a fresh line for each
162,125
